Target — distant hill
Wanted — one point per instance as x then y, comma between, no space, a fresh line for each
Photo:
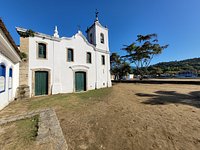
174,67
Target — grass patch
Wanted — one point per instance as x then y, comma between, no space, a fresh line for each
49,101
69,100
28,128
94,94
20,134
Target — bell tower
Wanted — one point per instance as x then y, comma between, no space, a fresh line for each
97,34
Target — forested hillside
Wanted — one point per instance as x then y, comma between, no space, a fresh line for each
174,67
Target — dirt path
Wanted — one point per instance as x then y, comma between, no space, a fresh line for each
128,117
125,121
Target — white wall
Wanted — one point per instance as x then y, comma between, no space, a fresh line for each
99,30
35,63
96,30
80,48
9,94
62,72
10,58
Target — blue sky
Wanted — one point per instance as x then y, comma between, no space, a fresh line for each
177,22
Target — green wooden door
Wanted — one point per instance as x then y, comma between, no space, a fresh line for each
80,81
41,83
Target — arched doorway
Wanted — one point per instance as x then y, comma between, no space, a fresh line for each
80,81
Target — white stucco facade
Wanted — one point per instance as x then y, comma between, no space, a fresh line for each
61,72
9,61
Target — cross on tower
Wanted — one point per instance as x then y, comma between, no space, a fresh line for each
79,27
96,13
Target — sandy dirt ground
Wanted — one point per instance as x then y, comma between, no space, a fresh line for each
137,117
132,117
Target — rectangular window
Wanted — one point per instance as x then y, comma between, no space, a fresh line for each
10,78
2,70
2,77
91,41
103,59
70,55
102,38
89,58
41,50
10,72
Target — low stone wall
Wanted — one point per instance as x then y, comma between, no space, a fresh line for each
157,82
49,130
21,116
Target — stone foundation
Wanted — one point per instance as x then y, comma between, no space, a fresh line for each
23,92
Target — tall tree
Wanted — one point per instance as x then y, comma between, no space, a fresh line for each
142,52
119,67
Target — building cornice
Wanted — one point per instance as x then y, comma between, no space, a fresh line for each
98,24
12,44
38,34
80,34
86,41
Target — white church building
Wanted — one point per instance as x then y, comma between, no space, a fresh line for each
57,64
9,67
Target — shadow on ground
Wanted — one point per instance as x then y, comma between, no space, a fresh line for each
167,97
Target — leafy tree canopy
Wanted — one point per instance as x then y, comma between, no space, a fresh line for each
142,52
119,67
